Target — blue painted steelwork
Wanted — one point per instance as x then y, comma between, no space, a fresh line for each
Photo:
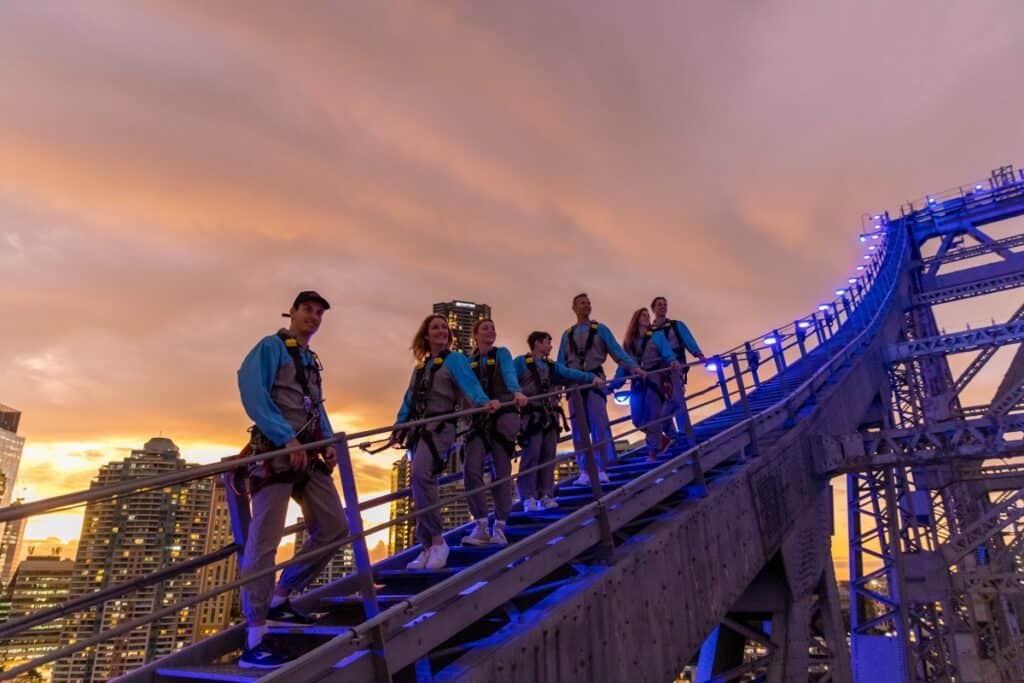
427,603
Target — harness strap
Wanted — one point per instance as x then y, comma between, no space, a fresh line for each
423,384
581,357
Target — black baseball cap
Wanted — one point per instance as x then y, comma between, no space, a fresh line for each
308,295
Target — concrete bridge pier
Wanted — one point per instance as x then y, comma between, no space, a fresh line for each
787,625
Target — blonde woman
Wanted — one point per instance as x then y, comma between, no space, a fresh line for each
438,381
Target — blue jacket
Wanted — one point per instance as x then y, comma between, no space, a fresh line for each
563,375
271,394
506,367
679,337
655,354
452,377
594,357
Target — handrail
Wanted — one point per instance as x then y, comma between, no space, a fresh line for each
561,526
142,485
878,271
90,599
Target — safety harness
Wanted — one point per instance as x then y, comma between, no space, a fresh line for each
544,415
485,426
422,386
657,384
673,326
310,431
581,354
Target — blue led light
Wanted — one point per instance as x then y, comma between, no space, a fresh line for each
711,367
979,187
866,257
824,307
877,217
878,227
621,398
852,280
840,292
769,341
860,267
804,324
931,200
875,237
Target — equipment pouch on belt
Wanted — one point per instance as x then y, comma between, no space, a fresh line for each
410,438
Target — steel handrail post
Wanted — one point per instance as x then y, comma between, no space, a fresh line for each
584,444
355,526
720,371
683,415
801,334
819,329
748,413
777,353
753,361
239,513
361,555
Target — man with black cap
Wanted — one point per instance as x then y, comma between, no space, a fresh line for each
281,391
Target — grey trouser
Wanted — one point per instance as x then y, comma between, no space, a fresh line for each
654,407
325,522
596,405
424,482
675,405
539,449
502,450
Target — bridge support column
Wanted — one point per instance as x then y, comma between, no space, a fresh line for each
791,632
809,632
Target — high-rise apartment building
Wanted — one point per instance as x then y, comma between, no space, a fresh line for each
40,582
215,615
11,446
133,536
461,317
11,536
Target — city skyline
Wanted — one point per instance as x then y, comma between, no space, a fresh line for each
619,153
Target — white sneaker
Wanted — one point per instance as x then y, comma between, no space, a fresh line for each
437,556
530,505
547,503
498,535
603,477
419,562
582,480
479,535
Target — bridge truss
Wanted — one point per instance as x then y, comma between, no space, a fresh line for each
716,560
935,555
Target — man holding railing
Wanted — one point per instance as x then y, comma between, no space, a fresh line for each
281,391
585,346
681,340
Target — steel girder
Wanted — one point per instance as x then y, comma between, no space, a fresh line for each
966,290
939,444
921,479
990,337
973,251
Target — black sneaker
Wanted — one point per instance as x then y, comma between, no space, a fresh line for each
263,656
286,614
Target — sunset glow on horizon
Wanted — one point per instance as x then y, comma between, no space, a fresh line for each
171,174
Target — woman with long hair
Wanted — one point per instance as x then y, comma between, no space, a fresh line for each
651,351
438,381
493,435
